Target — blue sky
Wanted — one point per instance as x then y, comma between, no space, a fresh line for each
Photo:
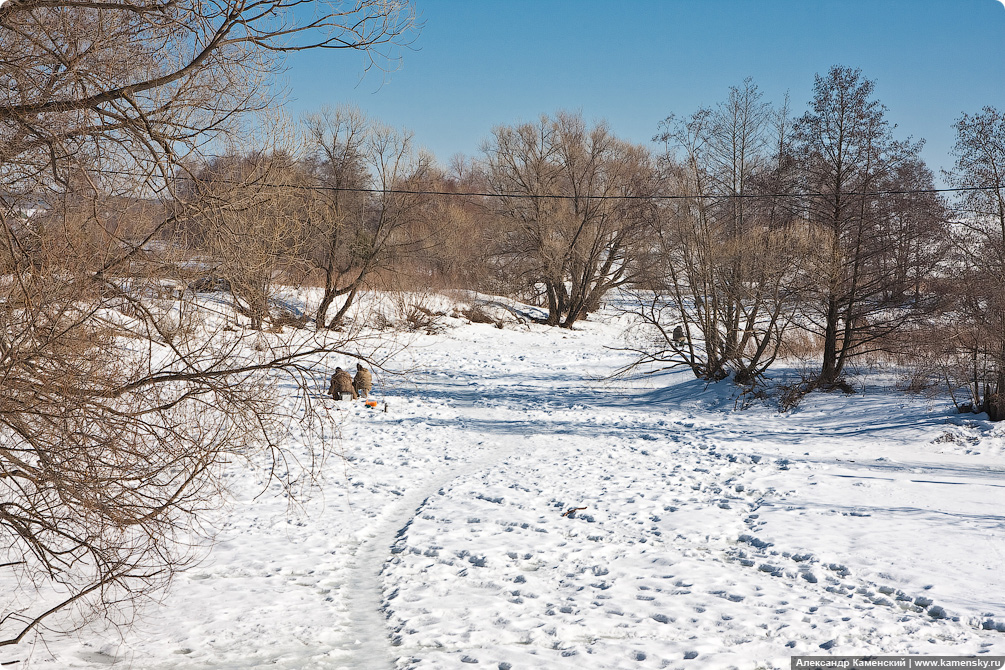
479,63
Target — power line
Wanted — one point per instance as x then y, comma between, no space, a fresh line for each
647,196
560,196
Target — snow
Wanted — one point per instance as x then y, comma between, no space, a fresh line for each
710,536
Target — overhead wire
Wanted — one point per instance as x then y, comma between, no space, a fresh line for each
641,196
562,196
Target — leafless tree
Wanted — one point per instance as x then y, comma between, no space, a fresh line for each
719,288
850,165
244,215
363,217
979,234
121,397
567,197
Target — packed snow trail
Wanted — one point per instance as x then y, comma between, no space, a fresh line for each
369,640
473,451
710,537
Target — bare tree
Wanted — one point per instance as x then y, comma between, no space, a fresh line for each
849,163
463,230
364,217
132,84
116,411
979,227
719,289
567,197
244,215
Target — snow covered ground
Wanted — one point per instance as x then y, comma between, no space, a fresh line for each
708,537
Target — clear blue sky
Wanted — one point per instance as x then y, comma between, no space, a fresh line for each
479,63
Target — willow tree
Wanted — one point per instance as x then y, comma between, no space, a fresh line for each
244,215
570,203
367,207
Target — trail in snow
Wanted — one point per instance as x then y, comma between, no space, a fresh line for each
710,538
369,639
703,541
371,642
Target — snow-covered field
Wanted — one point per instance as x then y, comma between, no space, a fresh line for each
708,537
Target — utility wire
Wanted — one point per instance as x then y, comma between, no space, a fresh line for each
558,196
647,196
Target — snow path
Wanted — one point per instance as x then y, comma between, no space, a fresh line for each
710,538
370,634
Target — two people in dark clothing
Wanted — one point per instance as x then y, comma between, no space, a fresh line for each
342,383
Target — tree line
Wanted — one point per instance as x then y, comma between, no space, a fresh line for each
746,230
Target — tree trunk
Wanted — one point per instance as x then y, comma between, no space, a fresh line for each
321,316
554,306
829,370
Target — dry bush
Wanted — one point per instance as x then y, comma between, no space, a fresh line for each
476,314
419,318
408,311
922,380
792,394
288,318
414,312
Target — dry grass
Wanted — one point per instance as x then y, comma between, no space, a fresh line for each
801,345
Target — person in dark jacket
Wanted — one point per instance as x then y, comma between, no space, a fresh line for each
363,383
341,383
